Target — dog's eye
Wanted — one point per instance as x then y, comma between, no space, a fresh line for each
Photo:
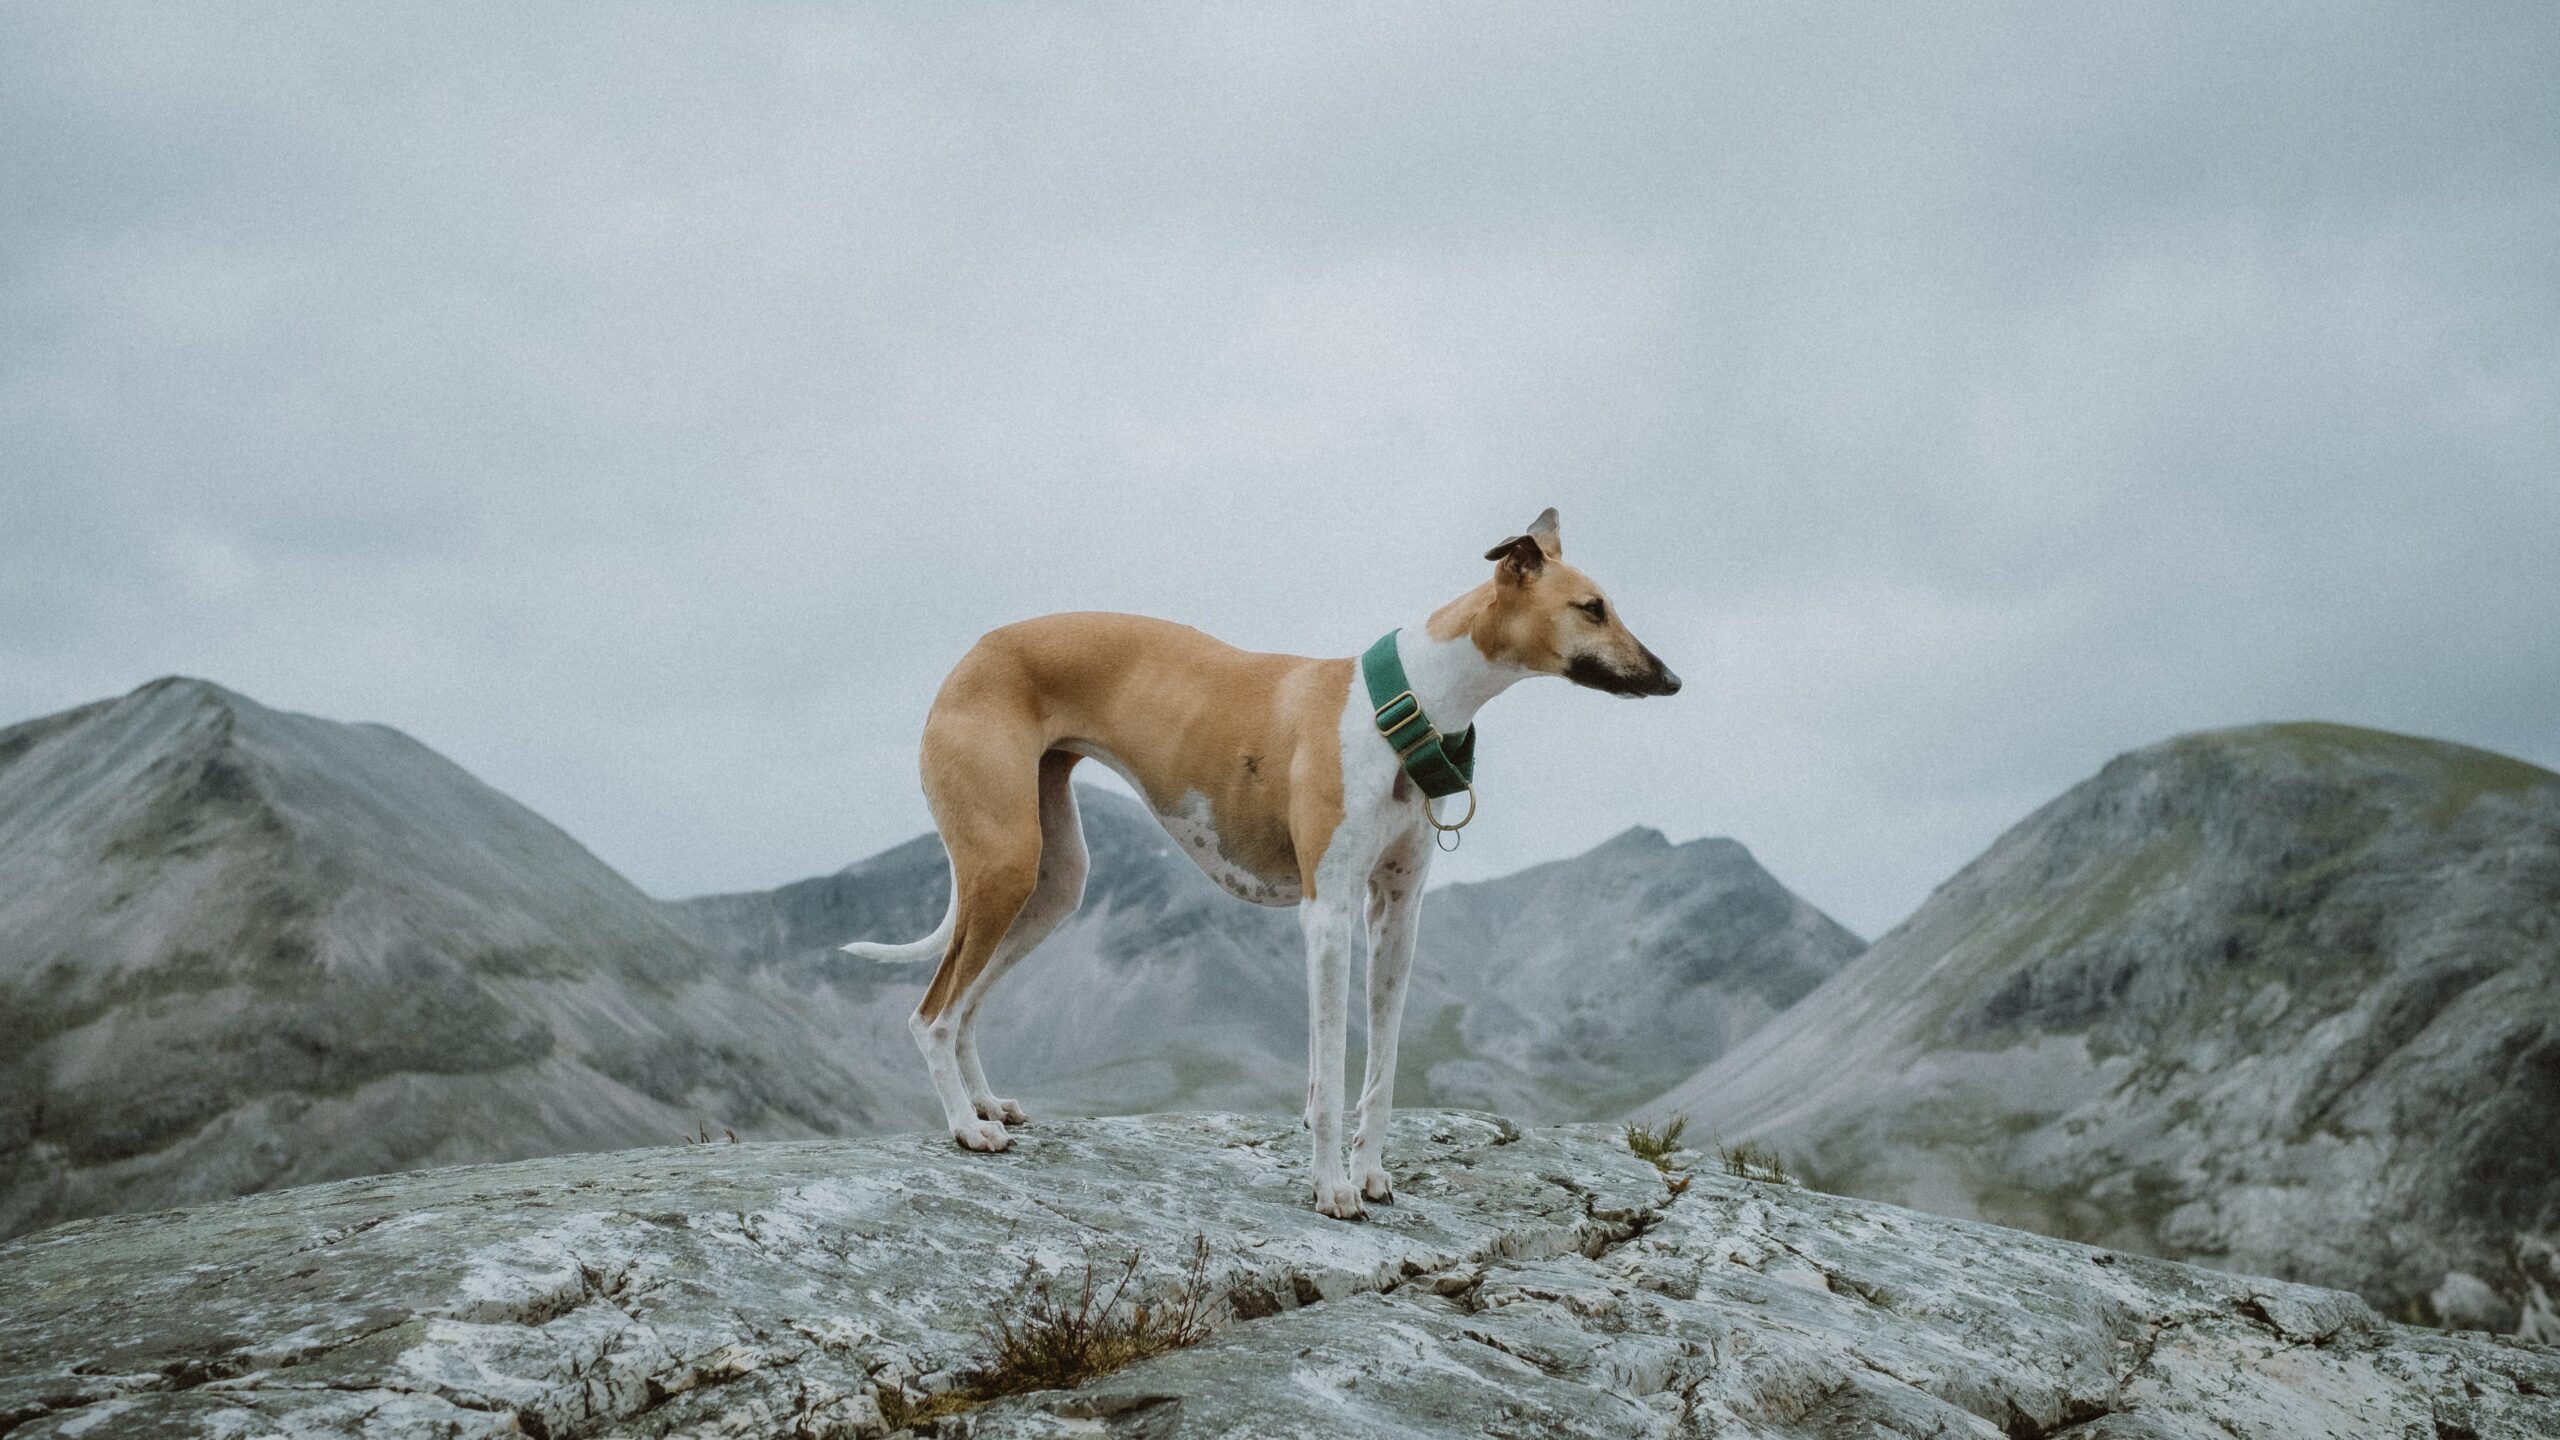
1596,608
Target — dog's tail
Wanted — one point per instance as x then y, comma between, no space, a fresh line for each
930,947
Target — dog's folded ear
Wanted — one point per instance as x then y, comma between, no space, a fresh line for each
1520,557
1543,530
1523,555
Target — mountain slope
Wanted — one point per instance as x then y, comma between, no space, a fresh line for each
2282,999
1559,993
241,948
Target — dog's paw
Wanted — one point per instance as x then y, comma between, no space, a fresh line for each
1339,1199
1375,1187
1003,1112
984,1135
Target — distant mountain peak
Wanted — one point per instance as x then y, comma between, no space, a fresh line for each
185,694
1723,847
1634,840
2328,747
191,685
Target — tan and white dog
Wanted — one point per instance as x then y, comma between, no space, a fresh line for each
1269,773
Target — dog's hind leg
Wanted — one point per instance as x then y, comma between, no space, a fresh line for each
1059,890
981,775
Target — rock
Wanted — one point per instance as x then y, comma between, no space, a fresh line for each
2538,1260
1539,1282
2467,1302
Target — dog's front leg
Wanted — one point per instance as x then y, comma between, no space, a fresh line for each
1331,925
1394,922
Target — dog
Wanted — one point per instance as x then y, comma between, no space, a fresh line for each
1290,781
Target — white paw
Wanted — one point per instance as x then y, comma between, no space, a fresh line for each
1338,1199
1002,1111
1375,1186
984,1135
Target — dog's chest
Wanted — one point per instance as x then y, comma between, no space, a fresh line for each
1192,826
1193,831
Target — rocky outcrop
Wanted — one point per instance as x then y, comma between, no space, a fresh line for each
2284,999
1540,1282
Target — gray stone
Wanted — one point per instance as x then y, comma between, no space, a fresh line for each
1527,1283
2466,1302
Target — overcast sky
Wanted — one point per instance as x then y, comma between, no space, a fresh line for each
644,406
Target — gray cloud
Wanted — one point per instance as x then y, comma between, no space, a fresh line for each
646,406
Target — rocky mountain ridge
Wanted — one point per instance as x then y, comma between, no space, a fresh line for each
2283,999
241,948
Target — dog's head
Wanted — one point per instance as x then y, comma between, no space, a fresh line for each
1547,617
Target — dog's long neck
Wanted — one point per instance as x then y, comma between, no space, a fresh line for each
1452,676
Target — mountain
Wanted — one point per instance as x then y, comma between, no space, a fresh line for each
2284,1000
1573,989
1562,992
242,949
1529,1283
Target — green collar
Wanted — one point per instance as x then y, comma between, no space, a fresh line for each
1440,765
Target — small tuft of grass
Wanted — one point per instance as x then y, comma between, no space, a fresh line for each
1055,1339
899,1411
1656,1147
1749,1161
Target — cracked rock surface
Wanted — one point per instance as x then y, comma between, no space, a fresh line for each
1528,1283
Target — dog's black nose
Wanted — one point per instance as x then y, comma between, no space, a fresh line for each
1670,683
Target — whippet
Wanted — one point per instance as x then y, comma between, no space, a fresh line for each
1288,780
